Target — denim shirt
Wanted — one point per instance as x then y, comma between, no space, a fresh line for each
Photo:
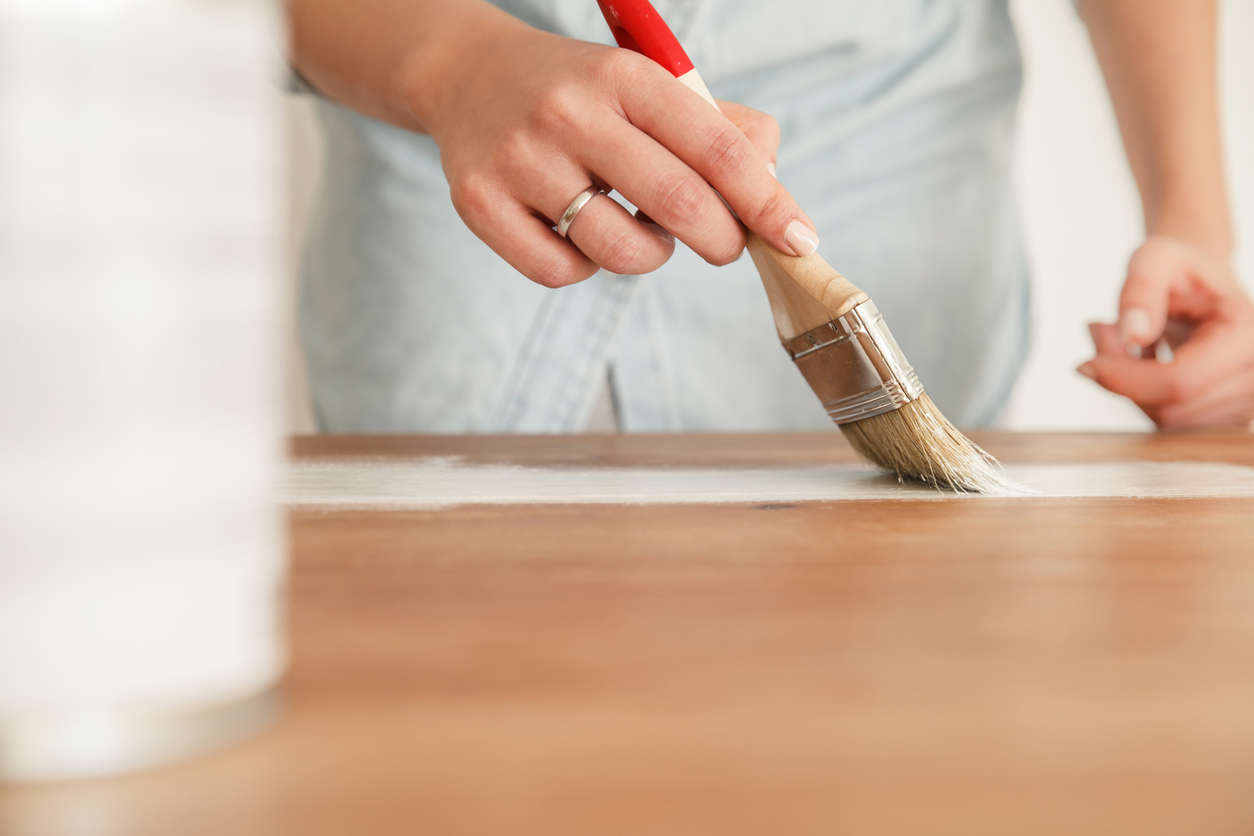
897,119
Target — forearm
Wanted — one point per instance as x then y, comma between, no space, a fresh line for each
1159,61
390,59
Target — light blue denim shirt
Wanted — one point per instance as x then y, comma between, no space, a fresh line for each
897,119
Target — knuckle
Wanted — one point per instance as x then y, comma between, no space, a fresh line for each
727,149
552,275
651,262
770,209
557,109
766,128
680,198
727,250
623,254
471,195
514,147
613,66
559,273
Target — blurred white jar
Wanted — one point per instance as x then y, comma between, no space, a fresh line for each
141,553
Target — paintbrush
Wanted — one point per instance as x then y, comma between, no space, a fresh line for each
832,330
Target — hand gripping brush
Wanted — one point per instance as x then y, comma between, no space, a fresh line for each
832,330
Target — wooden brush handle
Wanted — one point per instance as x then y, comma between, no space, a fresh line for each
804,292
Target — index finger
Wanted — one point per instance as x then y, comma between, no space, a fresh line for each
711,144
1213,353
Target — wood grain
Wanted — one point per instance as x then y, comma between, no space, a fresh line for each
1007,666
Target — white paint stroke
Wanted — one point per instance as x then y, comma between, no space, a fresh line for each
442,482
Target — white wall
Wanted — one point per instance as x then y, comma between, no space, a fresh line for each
1081,209
1079,204
304,156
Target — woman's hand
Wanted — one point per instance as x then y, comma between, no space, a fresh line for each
528,120
1191,300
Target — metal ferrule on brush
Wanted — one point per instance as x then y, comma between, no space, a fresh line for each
855,366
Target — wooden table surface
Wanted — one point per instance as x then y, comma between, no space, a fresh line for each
999,666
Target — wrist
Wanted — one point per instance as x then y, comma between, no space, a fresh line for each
1212,233
429,79
1195,211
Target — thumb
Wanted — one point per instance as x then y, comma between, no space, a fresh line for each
1152,271
1155,268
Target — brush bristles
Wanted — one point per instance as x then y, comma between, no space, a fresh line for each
918,442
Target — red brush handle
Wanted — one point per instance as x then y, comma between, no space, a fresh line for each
637,26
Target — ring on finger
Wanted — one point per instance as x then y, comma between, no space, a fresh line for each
575,207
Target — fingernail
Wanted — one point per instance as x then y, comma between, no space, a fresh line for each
1134,325
801,238
1088,370
770,166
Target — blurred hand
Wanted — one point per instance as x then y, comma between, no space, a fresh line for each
527,126
1191,300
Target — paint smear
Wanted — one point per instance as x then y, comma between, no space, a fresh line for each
443,482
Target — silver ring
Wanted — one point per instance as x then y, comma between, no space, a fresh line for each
575,207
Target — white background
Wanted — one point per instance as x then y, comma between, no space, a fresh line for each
1080,207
